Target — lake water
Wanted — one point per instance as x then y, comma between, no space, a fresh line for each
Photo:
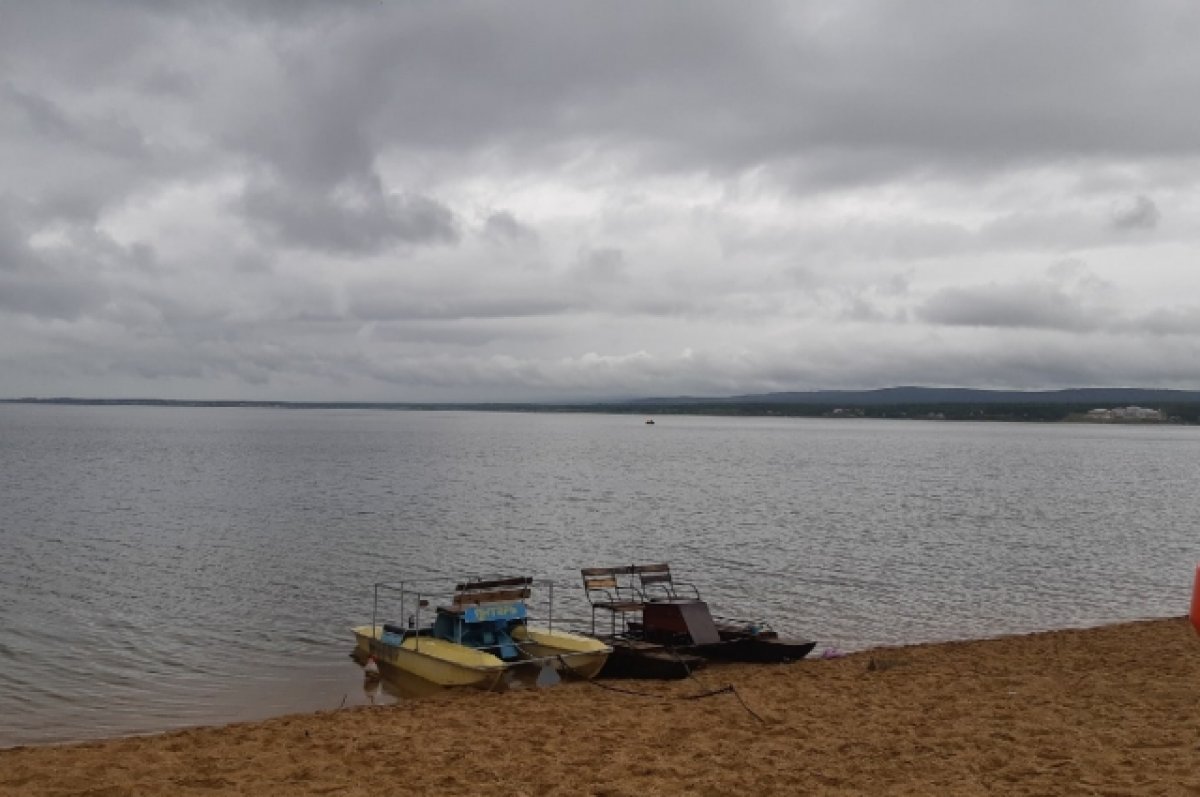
165,567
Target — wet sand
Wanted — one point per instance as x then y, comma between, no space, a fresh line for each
1110,711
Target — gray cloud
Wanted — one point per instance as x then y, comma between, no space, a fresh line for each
403,200
1171,321
51,295
502,226
605,264
355,219
1032,306
474,333
1139,214
14,248
46,120
390,302
32,284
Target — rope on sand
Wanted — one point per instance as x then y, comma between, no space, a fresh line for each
722,690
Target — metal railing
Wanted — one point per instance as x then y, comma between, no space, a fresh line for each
418,593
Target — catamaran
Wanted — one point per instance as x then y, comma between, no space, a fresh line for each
479,637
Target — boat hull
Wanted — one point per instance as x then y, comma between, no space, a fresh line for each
445,663
761,650
633,658
576,654
730,642
434,660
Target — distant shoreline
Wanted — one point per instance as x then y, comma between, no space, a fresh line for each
1036,408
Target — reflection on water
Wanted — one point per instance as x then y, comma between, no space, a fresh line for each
373,688
183,566
390,683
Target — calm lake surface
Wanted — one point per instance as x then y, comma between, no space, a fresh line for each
165,567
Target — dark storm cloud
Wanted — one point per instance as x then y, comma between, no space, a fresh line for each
1139,214
502,226
32,286
14,248
590,198
1171,321
606,264
46,120
391,302
821,94
357,220
1030,306
465,332
48,294
697,86
832,93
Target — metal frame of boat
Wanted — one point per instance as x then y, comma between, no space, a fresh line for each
612,589
676,620
481,635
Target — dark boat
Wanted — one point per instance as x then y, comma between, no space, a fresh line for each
736,641
653,612
636,658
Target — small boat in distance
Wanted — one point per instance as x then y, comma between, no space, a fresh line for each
650,421
478,639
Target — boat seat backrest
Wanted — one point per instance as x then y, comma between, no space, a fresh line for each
609,585
505,590
605,577
653,574
611,589
657,579
604,581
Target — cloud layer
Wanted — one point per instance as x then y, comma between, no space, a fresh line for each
459,201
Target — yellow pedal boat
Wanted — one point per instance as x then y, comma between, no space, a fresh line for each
478,639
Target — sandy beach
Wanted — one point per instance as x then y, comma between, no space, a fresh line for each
1110,711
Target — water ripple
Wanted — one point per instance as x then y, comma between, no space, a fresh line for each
168,567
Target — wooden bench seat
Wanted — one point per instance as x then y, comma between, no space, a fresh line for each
656,581
612,589
475,593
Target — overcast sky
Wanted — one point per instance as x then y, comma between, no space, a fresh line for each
407,201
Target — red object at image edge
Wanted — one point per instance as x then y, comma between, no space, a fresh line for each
1196,601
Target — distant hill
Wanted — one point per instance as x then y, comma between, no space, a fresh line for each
941,403
890,396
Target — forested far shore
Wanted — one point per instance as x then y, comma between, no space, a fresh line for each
1185,412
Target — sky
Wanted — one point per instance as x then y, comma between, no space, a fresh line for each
376,200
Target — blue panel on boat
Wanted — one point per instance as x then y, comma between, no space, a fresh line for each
494,611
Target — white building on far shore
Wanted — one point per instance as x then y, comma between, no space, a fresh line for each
1126,414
